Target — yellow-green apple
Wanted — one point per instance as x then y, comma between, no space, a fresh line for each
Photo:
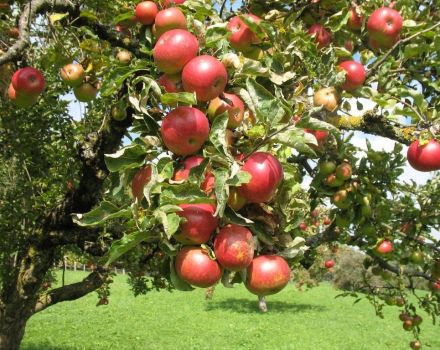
184,130
174,49
73,74
329,98
230,103
266,174
86,92
206,76
194,266
235,200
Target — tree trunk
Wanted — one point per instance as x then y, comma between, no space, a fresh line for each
20,294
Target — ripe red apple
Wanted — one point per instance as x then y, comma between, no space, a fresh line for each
174,49
320,135
20,100
206,76
230,103
73,74
140,179
322,36
86,92
171,83
235,200
170,18
184,130
329,264
194,266
266,174
303,226
242,37
326,221
435,286
384,27
424,157
183,173
355,75
355,20
327,97
124,56
267,274
28,81
385,247
344,171
146,12
234,247
315,213
200,223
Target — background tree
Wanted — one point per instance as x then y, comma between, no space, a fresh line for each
290,70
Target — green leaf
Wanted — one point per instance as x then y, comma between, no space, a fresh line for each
182,194
170,222
125,244
295,247
122,17
129,157
217,135
171,99
221,190
104,212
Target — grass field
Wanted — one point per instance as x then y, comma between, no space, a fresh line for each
312,319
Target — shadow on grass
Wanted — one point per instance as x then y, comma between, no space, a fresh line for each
251,306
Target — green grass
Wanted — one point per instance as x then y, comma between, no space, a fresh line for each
312,319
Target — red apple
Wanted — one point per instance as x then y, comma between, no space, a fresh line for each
266,174
86,92
267,274
435,286
171,83
384,27
355,75
194,266
355,20
140,179
200,223
14,32
190,162
146,12
303,226
320,135
322,36
329,264
184,130
385,247
234,247
171,18
326,221
424,157
242,37
174,49
344,171
20,100
28,81
230,103
168,3
206,76
73,74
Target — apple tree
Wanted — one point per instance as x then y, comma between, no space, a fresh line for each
215,145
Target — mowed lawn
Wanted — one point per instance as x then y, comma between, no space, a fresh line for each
312,319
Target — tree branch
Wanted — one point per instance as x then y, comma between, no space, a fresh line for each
378,62
72,291
31,9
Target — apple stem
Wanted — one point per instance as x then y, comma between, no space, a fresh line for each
262,304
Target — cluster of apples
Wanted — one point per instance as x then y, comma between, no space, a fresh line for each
184,131
26,86
74,75
316,219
